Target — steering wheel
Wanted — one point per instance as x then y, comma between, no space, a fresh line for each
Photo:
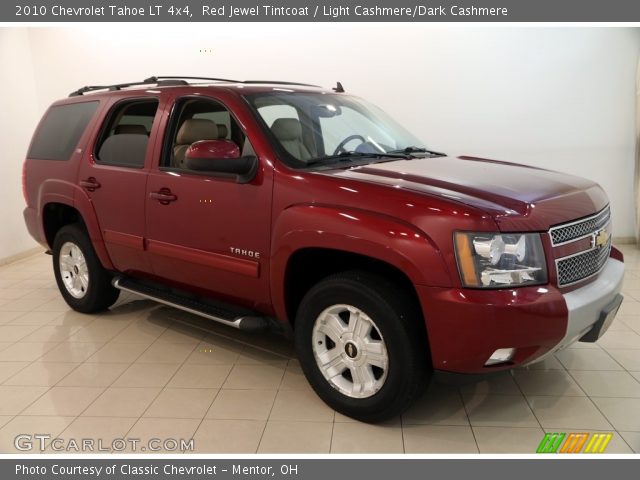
340,148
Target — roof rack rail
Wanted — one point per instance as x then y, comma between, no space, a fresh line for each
154,79
275,82
173,80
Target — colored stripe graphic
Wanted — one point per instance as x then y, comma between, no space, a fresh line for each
598,442
550,442
574,443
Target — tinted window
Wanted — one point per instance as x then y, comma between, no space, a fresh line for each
198,119
350,120
125,134
270,113
61,130
220,118
330,128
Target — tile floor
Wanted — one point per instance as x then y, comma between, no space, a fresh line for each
138,372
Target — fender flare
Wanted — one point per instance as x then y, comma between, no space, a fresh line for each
361,232
74,197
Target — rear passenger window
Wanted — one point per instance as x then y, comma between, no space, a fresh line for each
61,130
125,135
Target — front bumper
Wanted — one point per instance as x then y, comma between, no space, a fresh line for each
466,326
586,304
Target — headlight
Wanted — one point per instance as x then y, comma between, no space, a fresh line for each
498,260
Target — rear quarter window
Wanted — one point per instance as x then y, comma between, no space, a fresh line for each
60,131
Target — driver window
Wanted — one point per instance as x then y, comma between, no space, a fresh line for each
350,122
196,120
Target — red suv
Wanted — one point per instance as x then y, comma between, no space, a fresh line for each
258,204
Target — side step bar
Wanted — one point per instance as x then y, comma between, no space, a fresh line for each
240,319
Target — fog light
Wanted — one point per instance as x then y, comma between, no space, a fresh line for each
501,355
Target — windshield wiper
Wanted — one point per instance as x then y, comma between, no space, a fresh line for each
412,149
350,155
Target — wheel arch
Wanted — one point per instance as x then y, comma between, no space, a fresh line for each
307,266
314,242
58,212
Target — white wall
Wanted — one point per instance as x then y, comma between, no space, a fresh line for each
17,119
560,98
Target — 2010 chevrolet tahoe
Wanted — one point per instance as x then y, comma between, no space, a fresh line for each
256,204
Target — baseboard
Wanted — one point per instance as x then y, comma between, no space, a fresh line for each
624,241
21,255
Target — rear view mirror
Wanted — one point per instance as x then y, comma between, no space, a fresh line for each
327,111
222,157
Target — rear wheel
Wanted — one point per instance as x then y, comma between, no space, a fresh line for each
362,346
83,282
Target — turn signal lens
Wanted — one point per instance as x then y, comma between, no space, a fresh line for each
465,260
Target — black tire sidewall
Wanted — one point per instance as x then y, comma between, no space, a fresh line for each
100,294
404,361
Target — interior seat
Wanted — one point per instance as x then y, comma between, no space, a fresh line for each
125,149
289,132
223,131
192,130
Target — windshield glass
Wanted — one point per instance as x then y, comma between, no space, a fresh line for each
317,128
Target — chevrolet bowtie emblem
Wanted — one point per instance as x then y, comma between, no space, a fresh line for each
600,238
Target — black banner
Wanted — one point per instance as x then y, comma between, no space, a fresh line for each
319,469
320,11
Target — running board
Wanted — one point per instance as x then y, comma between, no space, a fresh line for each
226,315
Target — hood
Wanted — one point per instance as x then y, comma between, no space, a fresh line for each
518,197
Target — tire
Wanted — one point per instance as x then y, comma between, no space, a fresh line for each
83,282
370,336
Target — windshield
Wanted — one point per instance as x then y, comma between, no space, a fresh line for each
317,129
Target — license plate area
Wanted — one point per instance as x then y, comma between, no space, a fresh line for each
607,315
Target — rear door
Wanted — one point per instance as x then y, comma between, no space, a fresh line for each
204,231
114,176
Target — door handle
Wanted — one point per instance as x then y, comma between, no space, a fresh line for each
90,184
164,196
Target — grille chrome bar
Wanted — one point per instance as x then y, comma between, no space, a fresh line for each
583,265
579,229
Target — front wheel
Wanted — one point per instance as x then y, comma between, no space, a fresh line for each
362,346
82,280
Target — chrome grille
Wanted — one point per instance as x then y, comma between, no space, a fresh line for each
569,232
582,265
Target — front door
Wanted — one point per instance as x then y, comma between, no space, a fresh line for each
207,232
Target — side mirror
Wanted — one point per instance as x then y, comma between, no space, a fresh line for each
221,157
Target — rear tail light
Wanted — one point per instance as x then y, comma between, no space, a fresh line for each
24,182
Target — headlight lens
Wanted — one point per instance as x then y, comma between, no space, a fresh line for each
499,260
